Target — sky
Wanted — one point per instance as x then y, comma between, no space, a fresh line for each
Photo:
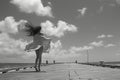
75,27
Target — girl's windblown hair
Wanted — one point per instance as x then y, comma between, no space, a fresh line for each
32,30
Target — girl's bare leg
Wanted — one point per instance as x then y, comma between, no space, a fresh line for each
36,60
40,57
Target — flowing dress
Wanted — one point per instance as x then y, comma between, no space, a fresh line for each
39,41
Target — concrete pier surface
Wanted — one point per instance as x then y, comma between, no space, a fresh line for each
68,71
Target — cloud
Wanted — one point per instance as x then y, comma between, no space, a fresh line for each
110,45
117,54
14,49
97,44
55,51
79,49
56,47
10,47
105,36
101,9
51,30
118,1
58,53
82,11
109,36
9,25
33,6
112,4
101,36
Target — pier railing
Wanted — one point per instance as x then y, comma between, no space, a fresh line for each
102,65
21,68
13,69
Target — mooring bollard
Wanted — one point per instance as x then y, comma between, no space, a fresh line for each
17,69
46,61
24,67
76,61
101,63
53,61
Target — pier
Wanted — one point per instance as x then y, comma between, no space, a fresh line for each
65,71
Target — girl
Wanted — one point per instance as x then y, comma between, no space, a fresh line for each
40,43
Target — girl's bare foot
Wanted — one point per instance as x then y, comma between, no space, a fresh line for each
36,69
